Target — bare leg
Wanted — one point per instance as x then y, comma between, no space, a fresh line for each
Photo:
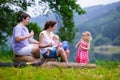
62,54
35,51
67,51
48,52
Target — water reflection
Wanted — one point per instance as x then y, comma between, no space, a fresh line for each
95,56
104,56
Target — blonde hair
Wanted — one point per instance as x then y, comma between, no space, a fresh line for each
56,36
88,35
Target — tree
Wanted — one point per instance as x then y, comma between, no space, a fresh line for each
116,41
65,9
100,40
9,12
35,28
11,9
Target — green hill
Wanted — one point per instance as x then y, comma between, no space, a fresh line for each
100,20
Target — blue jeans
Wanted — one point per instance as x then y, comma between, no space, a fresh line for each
51,55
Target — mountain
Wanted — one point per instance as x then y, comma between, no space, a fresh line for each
99,20
94,11
40,20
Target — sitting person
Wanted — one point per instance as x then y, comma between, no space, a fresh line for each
56,43
23,43
46,39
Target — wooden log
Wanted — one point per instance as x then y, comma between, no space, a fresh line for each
20,64
47,64
11,64
19,58
49,60
67,65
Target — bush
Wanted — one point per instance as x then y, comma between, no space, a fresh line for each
6,55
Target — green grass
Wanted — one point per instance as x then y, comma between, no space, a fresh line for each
39,73
6,56
103,71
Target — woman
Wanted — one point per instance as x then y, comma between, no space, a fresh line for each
23,43
45,41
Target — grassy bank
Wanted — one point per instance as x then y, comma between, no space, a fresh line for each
6,56
39,73
103,71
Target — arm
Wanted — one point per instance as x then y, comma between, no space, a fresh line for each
85,48
59,44
76,46
20,38
31,40
41,39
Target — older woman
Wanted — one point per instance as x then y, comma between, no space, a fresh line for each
23,43
45,41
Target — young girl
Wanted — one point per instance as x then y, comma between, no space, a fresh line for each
83,47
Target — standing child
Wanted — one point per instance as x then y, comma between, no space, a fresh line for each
83,47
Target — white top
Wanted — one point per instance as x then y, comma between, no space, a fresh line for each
47,41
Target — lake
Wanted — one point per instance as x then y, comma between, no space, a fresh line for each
101,54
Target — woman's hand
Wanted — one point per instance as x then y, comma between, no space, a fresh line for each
20,38
31,33
50,45
60,44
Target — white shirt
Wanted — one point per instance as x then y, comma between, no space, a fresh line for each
47,41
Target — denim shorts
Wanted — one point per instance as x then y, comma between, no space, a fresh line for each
52,54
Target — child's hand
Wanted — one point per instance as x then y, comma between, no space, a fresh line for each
50,45
59,44
56,45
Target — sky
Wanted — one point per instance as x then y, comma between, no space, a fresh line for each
83,3
88,3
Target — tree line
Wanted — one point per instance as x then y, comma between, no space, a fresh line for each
104,28
10,11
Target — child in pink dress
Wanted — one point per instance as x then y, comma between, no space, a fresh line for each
83,47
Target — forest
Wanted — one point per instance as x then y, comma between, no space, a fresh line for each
10,11
103,24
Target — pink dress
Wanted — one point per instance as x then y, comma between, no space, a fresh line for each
82,55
